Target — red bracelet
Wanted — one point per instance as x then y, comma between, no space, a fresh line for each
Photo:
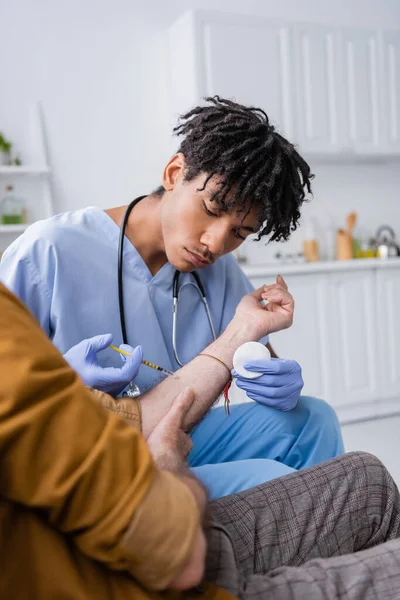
227,386
218,359
226,397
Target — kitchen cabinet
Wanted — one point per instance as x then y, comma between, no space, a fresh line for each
388,326
362,82
332,90
351,322
238,52
390,41
319,101
235,57
346,332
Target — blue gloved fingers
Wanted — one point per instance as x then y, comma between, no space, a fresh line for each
99,342
126,348
136,354
273,380
128,370
116,379
132,364
290,402
273,366
273,385
255,398
264,389
279,385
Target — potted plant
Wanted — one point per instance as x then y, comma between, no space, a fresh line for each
5,150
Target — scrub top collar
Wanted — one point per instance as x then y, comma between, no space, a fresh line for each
132,256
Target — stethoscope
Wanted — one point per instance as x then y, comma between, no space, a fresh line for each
175,297
133,390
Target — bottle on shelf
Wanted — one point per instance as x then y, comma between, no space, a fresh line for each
12,208
310,243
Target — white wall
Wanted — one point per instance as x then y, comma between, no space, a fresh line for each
99,69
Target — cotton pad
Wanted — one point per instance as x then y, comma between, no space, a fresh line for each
246,353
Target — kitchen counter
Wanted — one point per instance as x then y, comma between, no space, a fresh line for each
272,269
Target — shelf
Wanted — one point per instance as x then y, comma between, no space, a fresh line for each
23,170
14,228
359,264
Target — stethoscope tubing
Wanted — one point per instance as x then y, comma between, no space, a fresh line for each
175,288
121,306
175,292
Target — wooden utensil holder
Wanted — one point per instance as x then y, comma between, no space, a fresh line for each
344,245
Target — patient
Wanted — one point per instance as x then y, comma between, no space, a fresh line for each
87,512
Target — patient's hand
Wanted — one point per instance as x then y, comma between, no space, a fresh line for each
262,320
168,443
170,446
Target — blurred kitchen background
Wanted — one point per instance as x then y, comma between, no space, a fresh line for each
89,92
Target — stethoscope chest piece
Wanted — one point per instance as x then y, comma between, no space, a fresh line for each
133,391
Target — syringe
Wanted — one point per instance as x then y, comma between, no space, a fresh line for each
147,363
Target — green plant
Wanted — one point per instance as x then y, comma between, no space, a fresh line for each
5,145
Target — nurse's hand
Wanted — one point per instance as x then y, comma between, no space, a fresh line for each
279,386
83,359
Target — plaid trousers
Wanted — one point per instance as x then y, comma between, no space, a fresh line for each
317,534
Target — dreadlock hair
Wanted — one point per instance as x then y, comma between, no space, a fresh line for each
252,161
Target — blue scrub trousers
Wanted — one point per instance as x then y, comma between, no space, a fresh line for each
257,443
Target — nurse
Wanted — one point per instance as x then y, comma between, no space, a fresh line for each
233,175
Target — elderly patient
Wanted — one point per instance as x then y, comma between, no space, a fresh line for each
86,511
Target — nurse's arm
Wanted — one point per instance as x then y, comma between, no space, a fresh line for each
207,376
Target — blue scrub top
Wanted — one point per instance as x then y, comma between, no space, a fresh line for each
65,270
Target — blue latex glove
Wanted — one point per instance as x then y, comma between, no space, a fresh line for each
279,386
82,358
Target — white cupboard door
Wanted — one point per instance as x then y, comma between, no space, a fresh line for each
183,68
319,97
248,60
391,88
308,339
387,353
362,91
353,339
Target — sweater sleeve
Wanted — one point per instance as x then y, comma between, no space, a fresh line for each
89,474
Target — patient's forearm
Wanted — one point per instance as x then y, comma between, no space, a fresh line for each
206,376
